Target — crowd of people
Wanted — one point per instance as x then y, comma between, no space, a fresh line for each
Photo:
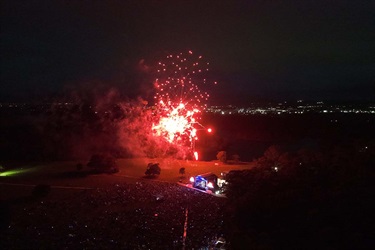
140,215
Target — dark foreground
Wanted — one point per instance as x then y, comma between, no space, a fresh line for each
141,215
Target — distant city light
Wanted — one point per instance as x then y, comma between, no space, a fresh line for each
300,107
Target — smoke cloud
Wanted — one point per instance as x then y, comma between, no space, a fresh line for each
94,118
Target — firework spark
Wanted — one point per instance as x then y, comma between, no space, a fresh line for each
179,97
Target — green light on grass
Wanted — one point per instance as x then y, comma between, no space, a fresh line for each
13,172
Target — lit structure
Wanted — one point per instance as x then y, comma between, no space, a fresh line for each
209,182
206,182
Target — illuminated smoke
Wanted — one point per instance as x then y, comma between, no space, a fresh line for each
97,119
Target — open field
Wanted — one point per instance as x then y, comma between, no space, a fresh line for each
65,173
170,167
127,211
19,181
120,211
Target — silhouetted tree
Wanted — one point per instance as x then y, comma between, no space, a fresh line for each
236,158
153,169
182,171
222,156
268,206
275,159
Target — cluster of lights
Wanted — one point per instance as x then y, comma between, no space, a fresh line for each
285,108
180,78
175,123
209,184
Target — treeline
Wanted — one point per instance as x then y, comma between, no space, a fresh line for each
249,136
60,133
305,199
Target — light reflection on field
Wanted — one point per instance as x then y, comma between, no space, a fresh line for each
14,172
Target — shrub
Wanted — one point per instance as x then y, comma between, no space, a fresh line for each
222,156
182,171
153,169
236,158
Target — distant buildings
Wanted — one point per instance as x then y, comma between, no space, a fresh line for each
297,108
282,108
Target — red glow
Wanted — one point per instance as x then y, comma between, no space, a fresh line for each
209,130
176,123
179,98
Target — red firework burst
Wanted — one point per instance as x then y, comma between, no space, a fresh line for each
179,97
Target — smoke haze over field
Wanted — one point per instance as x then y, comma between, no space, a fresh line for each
93,118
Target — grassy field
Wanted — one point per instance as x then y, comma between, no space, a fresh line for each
170,167
64,173
102,211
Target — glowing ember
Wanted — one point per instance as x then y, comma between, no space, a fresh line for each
179,98
196,155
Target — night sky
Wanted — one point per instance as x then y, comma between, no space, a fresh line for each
258,50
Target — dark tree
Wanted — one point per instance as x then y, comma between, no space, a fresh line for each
319,197
153,169
182,171
275,158
236,158
222,156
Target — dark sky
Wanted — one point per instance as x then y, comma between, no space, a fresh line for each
319,49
